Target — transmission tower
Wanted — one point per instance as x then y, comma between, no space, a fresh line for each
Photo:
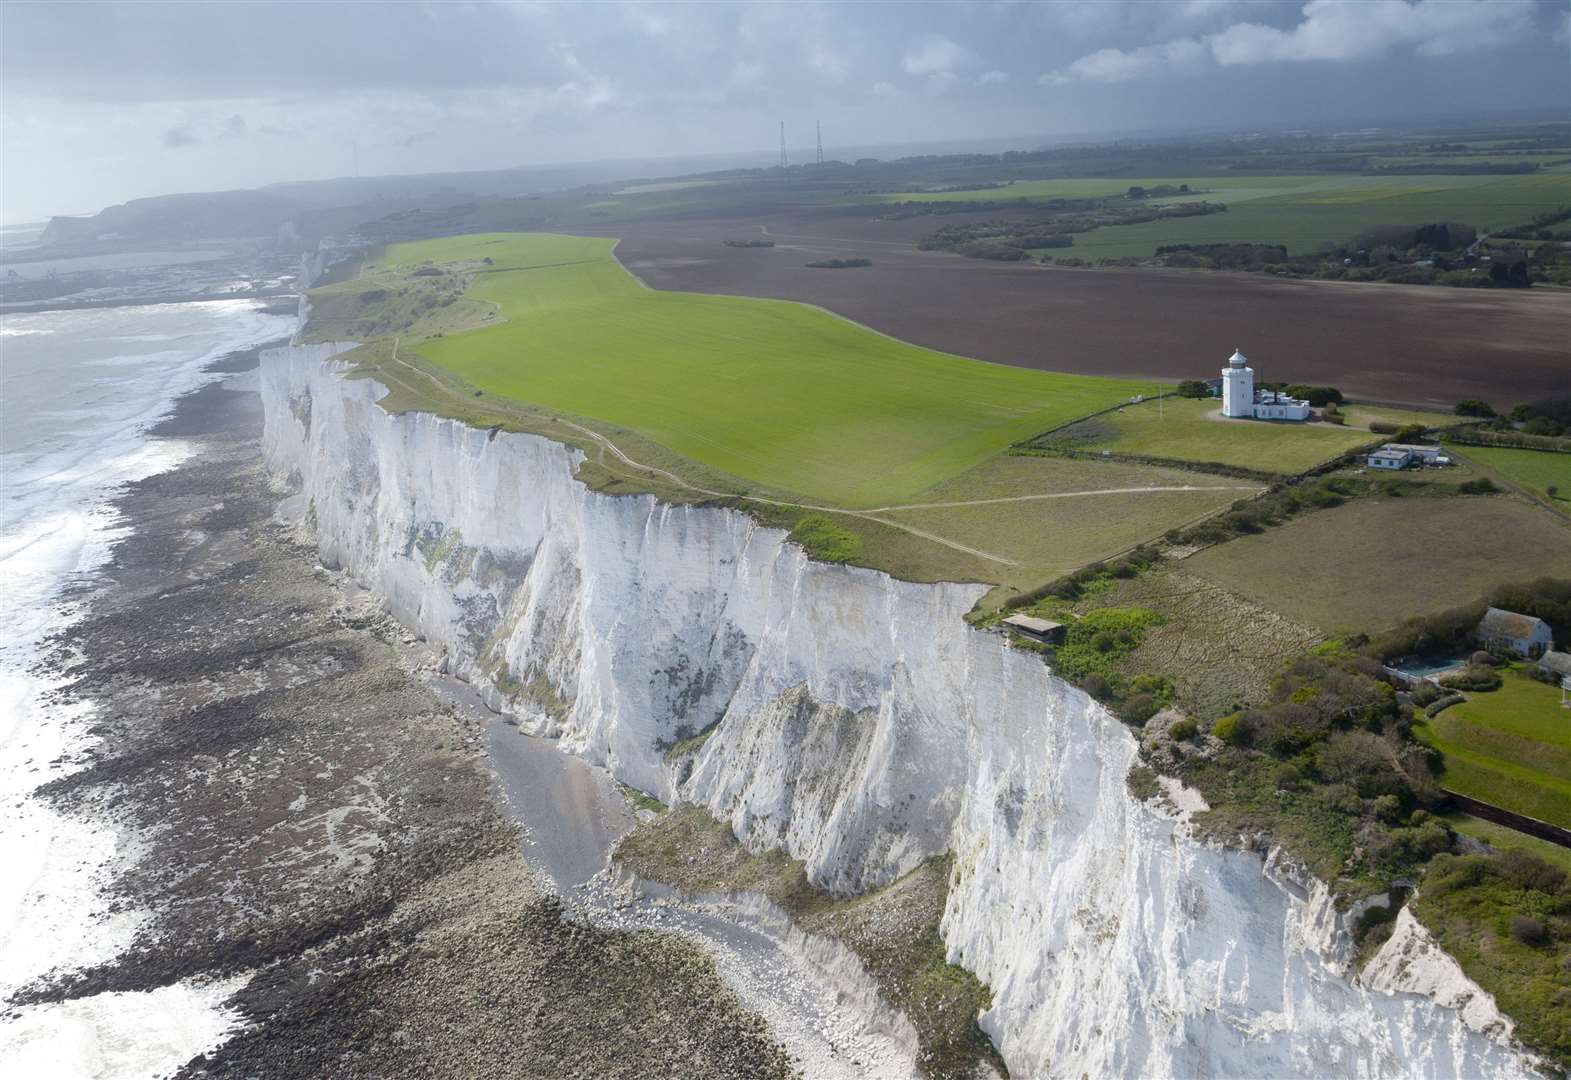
819,124
783,161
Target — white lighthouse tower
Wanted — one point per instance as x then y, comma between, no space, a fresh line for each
1238,387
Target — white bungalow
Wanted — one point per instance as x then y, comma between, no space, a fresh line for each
1241,399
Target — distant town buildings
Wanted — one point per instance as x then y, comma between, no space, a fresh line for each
1509,631
1241,399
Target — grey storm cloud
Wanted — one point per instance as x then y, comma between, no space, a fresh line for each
437,86
180,135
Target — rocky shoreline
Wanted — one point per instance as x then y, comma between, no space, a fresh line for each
309,815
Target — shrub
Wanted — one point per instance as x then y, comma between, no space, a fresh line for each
1287,777
1388,808
1184,729
1372,917
1481,659
1232,729
1363,761
1474,407
1097,686
1473,678
1383,427
1527,871
1193,388
1408,433
1407,847
826,541
1140,707
1343,798
1482,486
1529,931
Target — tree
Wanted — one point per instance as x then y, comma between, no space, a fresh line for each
1193,388
1409,433
1474,407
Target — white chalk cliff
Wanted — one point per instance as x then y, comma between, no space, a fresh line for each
862,726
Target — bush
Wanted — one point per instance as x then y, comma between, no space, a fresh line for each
1232,729
1383,427
1097,686
1408,433
1529,931
1482,486
1473,678
1193,388
1388,808
1482,659
1184,730
826,541
1527,871
1287,777
1140,708
1343,798
1474,407
1363,761
1378,915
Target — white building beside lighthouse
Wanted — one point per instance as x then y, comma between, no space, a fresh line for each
1241,399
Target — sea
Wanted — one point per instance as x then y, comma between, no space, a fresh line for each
79,392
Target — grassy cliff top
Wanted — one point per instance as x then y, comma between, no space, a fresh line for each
779,394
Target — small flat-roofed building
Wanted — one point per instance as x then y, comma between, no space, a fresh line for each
1427,455
1048,633
1389,458
1510,631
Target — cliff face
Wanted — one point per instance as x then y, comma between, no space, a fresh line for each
861,725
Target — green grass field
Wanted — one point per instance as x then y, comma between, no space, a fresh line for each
1337,210
1370,563
1535,470
1302,212
1185,429
1510,747
780,394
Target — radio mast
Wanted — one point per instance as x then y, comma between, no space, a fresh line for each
783,162
819,124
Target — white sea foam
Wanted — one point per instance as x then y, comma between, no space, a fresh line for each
80,391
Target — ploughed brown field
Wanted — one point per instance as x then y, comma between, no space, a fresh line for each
1412,345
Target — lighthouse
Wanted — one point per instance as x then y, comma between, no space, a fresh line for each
1238,387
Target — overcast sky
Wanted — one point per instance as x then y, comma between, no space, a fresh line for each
105,102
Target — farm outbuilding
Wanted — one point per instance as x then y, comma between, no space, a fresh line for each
1389,459
1048,633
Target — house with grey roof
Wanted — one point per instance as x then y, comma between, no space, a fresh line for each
1556,663
1508,631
